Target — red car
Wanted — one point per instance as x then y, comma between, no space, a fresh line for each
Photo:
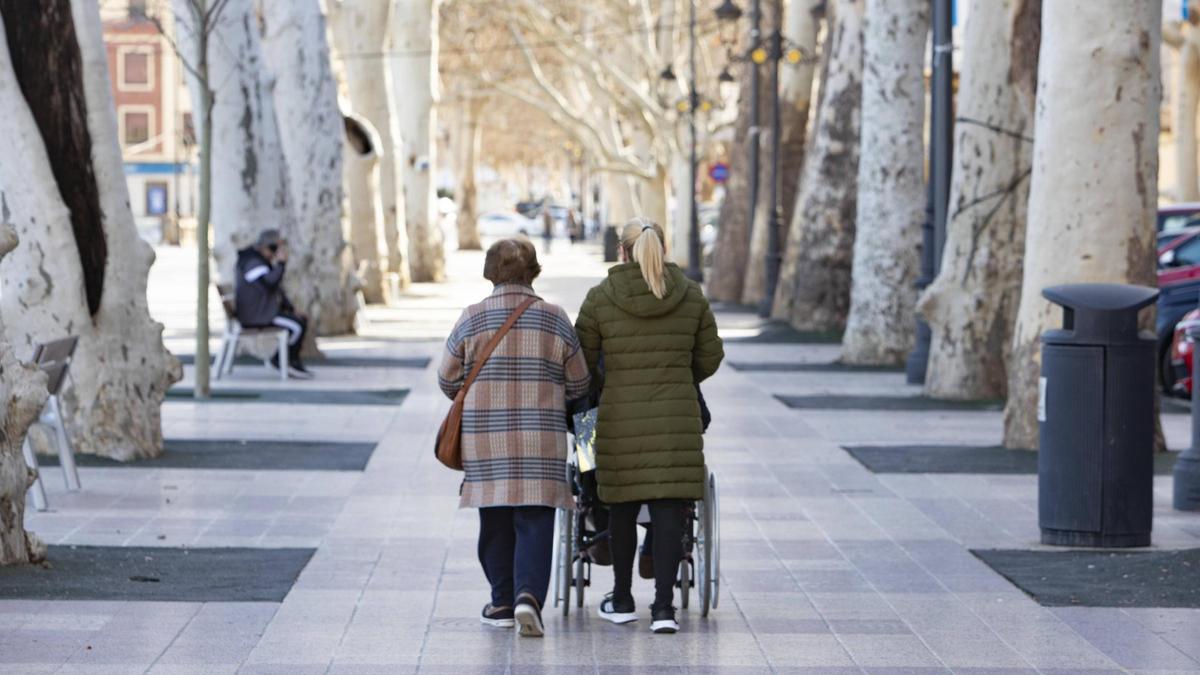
1182,351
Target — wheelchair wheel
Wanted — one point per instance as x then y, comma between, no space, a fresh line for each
685,582
704,550
564,560
713,500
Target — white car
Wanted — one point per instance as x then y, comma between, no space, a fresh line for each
498,225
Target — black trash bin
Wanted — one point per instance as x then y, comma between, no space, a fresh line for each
1096,408
612,239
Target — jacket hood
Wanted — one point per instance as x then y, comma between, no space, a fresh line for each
250,254
629,291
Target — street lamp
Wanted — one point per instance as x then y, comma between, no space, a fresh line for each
773,49
940,147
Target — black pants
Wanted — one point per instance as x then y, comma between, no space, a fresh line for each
296,326
516,544
666,519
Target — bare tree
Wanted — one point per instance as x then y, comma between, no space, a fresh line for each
200,18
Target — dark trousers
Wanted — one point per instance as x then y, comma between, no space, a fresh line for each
296,326
666,520
516,544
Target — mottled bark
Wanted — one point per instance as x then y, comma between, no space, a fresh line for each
1093,195
367,235
468,209
891,184
972,305
414,34
320,279
1187,102
22,394
359,30
814,284
249,174
121,370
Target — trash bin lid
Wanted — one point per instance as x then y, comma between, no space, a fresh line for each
1099,313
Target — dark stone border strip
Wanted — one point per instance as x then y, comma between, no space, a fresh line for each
1101,578
889,403
243,455
138,573
296,396
416,363
963,459
815,367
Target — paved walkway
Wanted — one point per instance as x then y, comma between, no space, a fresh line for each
826,567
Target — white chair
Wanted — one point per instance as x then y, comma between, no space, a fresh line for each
235,333
54,359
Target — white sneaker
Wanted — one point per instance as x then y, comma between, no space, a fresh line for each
609,612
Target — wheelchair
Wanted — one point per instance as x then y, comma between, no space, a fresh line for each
579,530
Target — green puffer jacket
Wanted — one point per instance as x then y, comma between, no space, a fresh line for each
648,442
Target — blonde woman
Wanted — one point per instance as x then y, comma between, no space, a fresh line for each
659,340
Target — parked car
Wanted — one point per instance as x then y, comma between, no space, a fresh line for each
498,225
1177,217
1177,376
1179,287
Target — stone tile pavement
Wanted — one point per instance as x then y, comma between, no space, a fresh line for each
826,567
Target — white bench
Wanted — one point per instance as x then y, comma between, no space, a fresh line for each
235,333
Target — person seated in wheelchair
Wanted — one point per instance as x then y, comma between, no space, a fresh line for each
659,339
261,302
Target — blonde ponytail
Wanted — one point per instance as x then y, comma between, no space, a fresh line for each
643,242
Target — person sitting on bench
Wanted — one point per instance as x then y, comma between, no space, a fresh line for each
260,298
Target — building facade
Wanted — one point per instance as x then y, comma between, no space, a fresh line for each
154,117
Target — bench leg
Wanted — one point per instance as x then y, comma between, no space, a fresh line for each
283,355
218,368
66,454
36,491
231,352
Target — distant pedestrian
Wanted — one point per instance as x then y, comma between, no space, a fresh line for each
547,227
514,444
260,300
658,338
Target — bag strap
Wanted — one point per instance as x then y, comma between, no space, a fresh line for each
494,342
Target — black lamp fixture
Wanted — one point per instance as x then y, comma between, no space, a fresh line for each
725,77
667,74
728,11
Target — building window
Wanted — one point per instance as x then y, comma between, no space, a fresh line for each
136,125
135,68
137,9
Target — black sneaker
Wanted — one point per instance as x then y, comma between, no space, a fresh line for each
528,617
499,617
298,371
273,362
617,613
663,620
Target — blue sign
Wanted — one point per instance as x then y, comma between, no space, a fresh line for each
1184,6
719,172
156,200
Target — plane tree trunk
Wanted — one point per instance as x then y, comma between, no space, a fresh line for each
972,304
359,30
79,268
320,279
891,184
1093,195
814,283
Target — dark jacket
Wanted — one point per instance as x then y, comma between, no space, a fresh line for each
259,295
656,352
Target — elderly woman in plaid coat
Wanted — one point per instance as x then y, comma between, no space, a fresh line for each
514,442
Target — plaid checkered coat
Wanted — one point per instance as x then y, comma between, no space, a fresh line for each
514,440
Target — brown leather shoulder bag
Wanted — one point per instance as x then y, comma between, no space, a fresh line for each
448,446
